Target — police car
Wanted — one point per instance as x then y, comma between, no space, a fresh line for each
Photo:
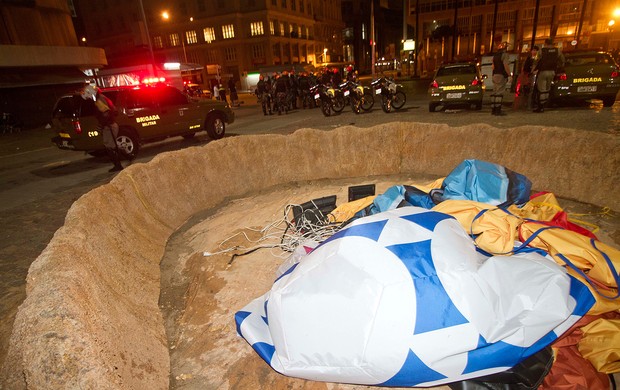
454,84
146,114
587,75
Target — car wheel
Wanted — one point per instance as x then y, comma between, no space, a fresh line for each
609,101
432,107
216,128
368,101
399,99
478,106
128,143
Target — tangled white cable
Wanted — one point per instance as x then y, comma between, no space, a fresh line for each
285,234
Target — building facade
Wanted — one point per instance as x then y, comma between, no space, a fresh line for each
239,36
40,57
466,29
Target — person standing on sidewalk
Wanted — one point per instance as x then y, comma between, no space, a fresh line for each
216,91
501,74
234,98
550,61
222,92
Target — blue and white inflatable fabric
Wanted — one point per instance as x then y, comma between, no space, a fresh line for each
402,298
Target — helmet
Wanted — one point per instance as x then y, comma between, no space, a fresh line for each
89,92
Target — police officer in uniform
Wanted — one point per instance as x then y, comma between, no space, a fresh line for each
550,60
106,116
527,76
501,74
262,90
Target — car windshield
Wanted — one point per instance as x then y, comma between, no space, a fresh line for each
588,59
456,70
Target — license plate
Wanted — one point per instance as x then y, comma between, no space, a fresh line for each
378,91
454,95
317,96
346,93
65,144
587,88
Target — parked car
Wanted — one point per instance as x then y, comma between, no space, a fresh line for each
459,83
587,75
145,114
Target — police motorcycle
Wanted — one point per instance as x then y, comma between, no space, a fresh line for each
354,93
326,99
329,99
392,94
362,93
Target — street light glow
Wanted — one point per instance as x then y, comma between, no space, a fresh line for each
165,15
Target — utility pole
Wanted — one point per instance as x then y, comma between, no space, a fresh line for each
455,27
583,11
535,23
494,24
417,37
405,54
148,37
372,34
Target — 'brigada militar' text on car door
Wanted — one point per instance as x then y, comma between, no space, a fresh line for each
165,110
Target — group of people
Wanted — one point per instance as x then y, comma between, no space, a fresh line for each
284,91
537,73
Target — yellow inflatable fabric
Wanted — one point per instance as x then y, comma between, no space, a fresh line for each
495,231
600,344
346,211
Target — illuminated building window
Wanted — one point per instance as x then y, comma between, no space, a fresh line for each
158,42
272,28
228,31
256,28
209,34
191,37
281,28
174,39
